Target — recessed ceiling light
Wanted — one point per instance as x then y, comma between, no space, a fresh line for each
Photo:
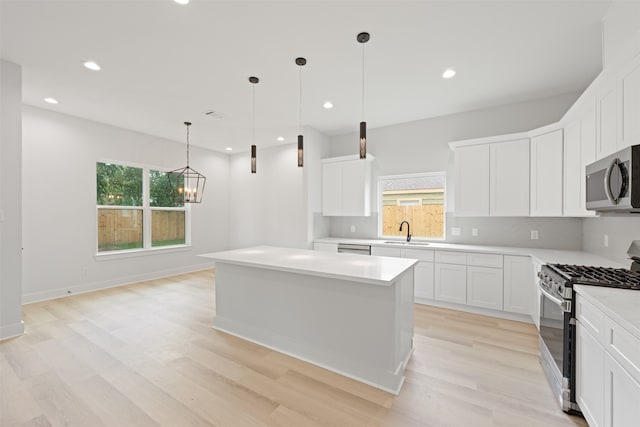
229,149
448,73
183,2
51,100
280,138
91,65
328,105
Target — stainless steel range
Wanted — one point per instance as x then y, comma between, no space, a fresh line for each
557,317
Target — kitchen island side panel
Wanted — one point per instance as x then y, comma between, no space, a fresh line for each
359,330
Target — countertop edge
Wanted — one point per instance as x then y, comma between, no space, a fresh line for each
633,329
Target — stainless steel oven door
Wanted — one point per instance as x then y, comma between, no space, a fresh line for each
557,347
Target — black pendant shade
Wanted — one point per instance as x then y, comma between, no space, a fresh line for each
363,140
253,159
300,151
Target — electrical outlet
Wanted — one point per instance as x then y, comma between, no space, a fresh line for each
352,228
474,232
534,235
455,231
606,240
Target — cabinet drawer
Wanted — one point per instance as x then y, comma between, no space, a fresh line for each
591,318
484,260
385,251
419,254
451,257
624,347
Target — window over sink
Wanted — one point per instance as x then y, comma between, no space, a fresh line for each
416,198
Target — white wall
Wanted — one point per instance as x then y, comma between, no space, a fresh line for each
274,206
10,200
59,204
422,146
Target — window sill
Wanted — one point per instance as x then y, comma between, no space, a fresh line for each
133,253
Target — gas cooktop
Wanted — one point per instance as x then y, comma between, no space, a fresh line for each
597,276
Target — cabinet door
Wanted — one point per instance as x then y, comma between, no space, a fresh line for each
546,174
472,180
622,396
332,189
451,283
326,247
631,105
423,280
509,178
356,188
484,287
589,376
607,121
573,172
518,285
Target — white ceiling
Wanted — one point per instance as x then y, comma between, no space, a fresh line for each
163,63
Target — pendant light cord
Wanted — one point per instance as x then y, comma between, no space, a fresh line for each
187,145
300,100
253,121
362,81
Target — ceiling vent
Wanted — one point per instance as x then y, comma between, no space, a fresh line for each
214,114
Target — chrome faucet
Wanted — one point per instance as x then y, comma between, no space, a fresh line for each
408,229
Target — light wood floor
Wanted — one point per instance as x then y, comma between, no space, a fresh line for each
145,355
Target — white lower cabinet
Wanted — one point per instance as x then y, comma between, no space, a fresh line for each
484,287
451,283
607,369
590,376
519,285
423,280
621,394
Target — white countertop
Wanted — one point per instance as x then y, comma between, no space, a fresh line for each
544,256
621,305
358,268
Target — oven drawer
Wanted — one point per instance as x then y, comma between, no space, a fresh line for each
591,318
624,347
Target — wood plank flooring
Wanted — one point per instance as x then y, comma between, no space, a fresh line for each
146,355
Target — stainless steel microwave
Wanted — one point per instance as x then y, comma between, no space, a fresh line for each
613,183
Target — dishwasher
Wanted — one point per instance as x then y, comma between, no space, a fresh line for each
348,248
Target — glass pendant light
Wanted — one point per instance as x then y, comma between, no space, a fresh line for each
254,81
301,62
362,39
187,184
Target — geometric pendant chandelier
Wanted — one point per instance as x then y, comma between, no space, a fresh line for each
187,184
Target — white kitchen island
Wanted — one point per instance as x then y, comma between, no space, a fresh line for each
351,314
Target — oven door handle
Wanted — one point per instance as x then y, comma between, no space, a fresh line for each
564,304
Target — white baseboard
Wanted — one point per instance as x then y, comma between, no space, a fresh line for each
11,331
121,281
477,310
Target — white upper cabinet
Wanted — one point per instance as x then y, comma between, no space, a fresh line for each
608,114
546,174
579,151
509,178
346,186
631,105
472,180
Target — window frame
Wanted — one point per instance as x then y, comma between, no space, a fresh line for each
412,175
147,209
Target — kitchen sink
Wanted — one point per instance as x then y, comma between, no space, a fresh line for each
407,243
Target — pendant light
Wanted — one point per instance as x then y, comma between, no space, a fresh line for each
254,81
362,39
187,184
300,62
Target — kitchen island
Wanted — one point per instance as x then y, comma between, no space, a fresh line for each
350,314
